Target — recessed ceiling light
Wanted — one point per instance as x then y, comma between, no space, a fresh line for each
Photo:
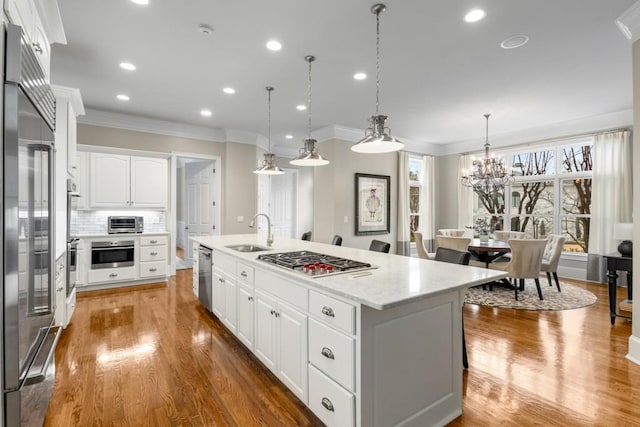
514,42
475,15
274,45
289,136
142,2
123,97
229,90
206,113
127,66
301,107
359,76
205,30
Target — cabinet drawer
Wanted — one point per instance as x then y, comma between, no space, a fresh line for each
153,253
153,240
224,263
334,405
112,274
153,269
284,289
333,353
332,311
244,273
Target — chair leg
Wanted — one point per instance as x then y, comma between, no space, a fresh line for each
516,287
465,361
555,276
521,285
549,278
538,286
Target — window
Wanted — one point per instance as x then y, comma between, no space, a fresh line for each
415,194
551,194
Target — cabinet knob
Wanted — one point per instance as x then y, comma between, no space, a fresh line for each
153,241
273,312
243,274
326,352
59,289
37,47
222,281
250,298
153,269
328,311
327,404
153,253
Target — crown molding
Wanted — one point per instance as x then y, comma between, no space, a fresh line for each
73,95
240,136
51,21
629,23
554,131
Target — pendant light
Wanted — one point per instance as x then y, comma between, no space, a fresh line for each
269,166
309,155
377,137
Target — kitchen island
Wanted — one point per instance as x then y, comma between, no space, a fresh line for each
379,347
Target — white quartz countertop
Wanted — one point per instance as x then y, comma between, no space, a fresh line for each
398,279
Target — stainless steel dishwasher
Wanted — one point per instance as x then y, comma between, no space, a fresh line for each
204,277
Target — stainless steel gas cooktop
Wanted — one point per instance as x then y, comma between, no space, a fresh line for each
315,264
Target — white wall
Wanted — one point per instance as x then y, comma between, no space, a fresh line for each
446,191
634,340
239,193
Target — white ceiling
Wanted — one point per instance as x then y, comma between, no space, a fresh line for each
439,74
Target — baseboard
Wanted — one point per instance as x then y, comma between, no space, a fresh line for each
634,350
572,272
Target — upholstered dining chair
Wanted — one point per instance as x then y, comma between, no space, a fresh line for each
526,261
456,257
422,251
306,236
379,246
457,243
551,257
451,232
337,240
506,235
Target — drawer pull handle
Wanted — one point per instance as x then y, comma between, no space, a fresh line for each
153,269
250,298
273,312
328,311
326,352
113,275
327,404
153,241
221,280
59,289
153,253
243,274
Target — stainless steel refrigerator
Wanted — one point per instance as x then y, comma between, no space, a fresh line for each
28,337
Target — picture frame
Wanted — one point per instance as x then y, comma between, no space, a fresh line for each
373,204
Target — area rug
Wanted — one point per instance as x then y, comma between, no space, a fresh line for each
571,297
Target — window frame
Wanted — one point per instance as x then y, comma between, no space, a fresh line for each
415,184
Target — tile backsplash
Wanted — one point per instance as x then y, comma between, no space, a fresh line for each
95,222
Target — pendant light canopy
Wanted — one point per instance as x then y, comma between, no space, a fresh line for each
377,137
309,155
269,166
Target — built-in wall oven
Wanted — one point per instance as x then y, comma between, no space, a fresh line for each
112,254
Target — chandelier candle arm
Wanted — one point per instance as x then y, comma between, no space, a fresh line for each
269,166
377,137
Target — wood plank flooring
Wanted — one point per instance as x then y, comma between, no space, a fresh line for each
152,356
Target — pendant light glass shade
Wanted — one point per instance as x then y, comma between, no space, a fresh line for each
377,137
269,165
309,155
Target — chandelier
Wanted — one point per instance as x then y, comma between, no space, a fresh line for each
489,175
269,165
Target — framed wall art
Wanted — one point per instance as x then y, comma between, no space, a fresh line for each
373,205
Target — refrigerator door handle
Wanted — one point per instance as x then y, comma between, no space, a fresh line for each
38,371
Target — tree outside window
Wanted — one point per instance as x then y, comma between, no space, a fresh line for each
415,194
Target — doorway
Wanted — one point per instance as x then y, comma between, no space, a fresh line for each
197,190
278,197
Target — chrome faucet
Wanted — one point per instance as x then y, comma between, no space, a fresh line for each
269,235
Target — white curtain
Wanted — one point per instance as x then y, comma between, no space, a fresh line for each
427,222
611,196
403,237
465,194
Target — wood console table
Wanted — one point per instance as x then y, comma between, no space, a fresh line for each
615,263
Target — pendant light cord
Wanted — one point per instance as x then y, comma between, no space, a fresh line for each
377,60
486,141
309,59
269,89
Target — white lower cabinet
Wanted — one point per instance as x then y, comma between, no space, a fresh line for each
281,341
218,285
111,274
334,405
245,300
195,272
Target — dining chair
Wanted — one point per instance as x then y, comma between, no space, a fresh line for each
526,262
551,257
422,251
456,257
451,232
306,236
379,246
506,235
337,240
457,243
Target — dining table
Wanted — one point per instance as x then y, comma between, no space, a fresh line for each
488,251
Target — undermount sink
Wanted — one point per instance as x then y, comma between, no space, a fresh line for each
247,248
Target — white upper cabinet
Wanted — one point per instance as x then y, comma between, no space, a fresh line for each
68,106
118,181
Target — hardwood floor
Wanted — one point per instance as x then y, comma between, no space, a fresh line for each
153,356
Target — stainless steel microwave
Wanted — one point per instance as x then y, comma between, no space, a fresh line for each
125,224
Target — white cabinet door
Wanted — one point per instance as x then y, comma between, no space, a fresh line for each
292,349
218,293
109,180
82,178
265,328
41,47
230,319
148,182
195,272
245,315
23,13
72,143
